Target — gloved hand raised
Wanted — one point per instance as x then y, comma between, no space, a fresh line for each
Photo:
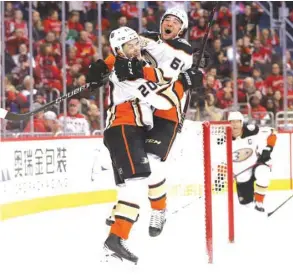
128,69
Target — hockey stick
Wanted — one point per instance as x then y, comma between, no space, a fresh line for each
4,114
201,53
247,169
281,205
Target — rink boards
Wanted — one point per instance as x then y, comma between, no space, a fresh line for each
54,173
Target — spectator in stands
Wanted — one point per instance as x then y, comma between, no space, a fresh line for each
74,22
209,85
249,87
28,85
258,80
208,111
47,71
270,105
38,28
259,55
224,17
52,23
93,117
269,40
148,25
257,110
215,32
38,121
85,50
197,33
56,46
223,66
40,97
51,123
89,27
225,95
72,74
245,62
18,23
213,72
247,22
74,122
14,41
278,100
226,38
72,58
9,11
122,21
216,48
78,81
274,81
22,62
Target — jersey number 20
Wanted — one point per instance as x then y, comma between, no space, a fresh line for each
146,88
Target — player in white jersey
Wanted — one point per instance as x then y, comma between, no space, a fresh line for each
129,120
169,55
252,148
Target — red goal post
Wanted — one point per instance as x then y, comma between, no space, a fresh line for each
212,129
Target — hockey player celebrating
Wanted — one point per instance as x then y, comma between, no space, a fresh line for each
169,56
252,148
129,123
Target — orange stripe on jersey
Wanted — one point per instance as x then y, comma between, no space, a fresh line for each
271,140
127,150
110,61
172,114
124,115
149,73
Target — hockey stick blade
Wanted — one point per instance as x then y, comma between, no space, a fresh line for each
280,206
19,117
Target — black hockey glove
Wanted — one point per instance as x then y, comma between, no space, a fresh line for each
191,79
127,69
205,60
265,155
97,71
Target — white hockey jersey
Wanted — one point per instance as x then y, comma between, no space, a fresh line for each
133,102
171,57
246,149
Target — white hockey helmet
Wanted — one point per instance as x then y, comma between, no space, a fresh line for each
121,36
179,13
236,116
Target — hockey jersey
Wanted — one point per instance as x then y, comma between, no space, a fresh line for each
132,102
248,147
168,59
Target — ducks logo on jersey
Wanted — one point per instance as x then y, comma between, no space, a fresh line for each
242,154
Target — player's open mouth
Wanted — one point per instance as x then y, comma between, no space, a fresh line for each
168,31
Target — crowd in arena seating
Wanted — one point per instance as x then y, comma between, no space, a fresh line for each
260,81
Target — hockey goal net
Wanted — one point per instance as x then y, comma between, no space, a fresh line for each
200,170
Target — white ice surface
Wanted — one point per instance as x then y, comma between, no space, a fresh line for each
68,243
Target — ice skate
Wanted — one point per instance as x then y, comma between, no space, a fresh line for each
115,247
157,222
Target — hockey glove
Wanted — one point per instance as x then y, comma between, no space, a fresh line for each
191,79
127,69
205,60
265,155
97,71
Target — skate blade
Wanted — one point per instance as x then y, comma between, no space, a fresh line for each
113,258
